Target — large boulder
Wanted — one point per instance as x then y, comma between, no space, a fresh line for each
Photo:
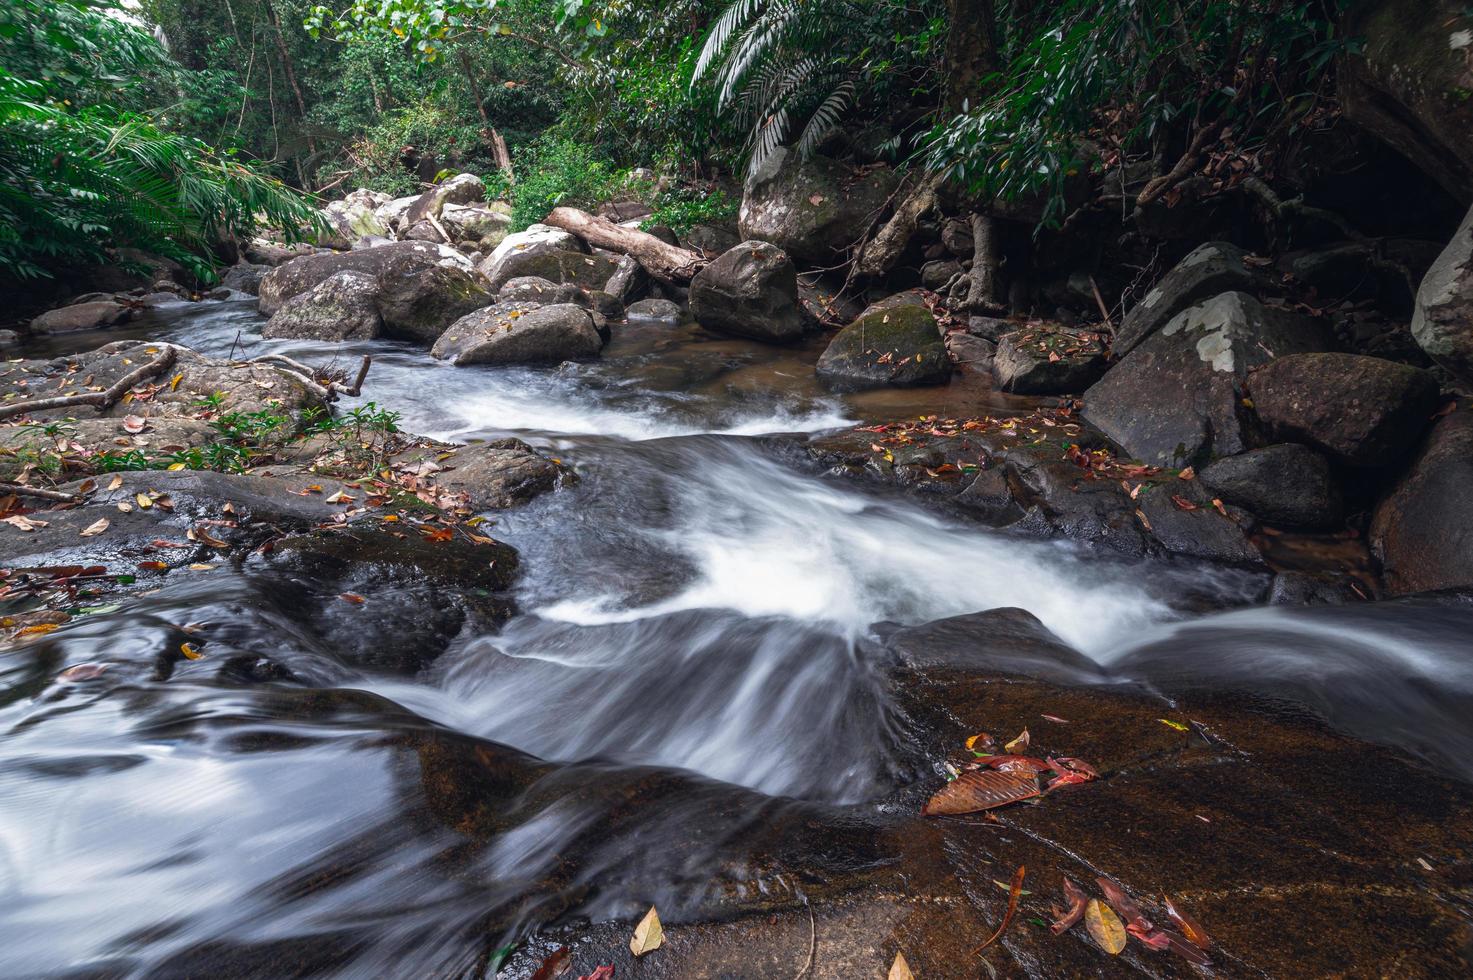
1442,322
485,225
554,265
1422,533
896,342
1176,397
244,278
341,307
460,189
419,302
1362,410
1207,271
816,209
301,274
520,333
391,215
80,316
1045,359
1409,84
261,251
352,218
497,474
1287,484
751,290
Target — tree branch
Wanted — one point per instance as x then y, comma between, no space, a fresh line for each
101,399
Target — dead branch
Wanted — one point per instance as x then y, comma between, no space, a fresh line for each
307,376
102,400
21,490
880,253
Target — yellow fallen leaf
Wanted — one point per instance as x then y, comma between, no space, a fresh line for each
174,384
200,566
648,935
144,501
900,970
1173,724
37,629
95,528
125,507
176,466
1105,926
190,651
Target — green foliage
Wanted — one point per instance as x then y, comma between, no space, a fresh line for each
76,179
681,207
553,172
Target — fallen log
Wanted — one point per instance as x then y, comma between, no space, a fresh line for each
665,262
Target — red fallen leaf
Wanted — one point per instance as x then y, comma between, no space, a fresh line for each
1014,891
1155,940
81,672
152,566
1078,765
602,973
1136,923
1067,918
1055,719
981,790
135,423
161,543
1016,763
1067,778
352,597
555,965
1182,503
1189,926
442,534
1188,474
1184,949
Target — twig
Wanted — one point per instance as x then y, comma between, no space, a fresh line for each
305,374
357,388
440,228
101,399
812,941
1104,312
22,490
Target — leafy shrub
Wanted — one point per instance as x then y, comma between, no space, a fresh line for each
552,172
681,207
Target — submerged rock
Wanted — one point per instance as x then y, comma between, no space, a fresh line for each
896,342
1422,533
1176,397
80,316
751,290
520,333
1362,410
344,306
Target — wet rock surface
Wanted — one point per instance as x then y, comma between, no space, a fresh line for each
1043,361
1421,532
895,342
1285,484
751,290
520,333
344,306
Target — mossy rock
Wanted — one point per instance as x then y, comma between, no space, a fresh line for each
894,343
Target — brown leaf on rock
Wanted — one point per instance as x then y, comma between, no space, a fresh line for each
1066,918
1189,926
95,528
972,792
900,970
1015,890
352,597
555,965
648,935
1018,744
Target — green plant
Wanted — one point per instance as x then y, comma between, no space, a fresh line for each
681,207
553,172
109,461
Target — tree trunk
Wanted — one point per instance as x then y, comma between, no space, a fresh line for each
882,252
499,152
665,262
971,52
982,280
291,74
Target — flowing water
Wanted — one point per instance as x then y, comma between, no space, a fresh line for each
691,627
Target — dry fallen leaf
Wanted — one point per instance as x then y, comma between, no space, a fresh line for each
1105,926
981,790
95,528
1189,926
1014,891
1066,918
81,672
555,965
135,423
24,523
115,482
1018,744
144,500
648,935
900,970
352,597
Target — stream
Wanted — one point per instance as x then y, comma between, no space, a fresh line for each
693,615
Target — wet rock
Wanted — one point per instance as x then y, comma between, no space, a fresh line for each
1288,484
531,289
460,189
1207,271
1422,533
988,498
629,282
823,305
1060,500
653,311
1183,520
260,251
1304,589
80,316
1011,642
974,353
1408,84
245,277
418,593
520,333
554,265
989,327
815,210
896,342
1362,410
419,302
1048,360
498,474
301,274
1442,321
751,290
343,306
711,240
937,273
1175,397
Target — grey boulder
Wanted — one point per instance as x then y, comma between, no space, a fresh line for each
1287,484
751,291
520,333
894,343
341,307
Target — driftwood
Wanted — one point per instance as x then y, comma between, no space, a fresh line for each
665,262
304,374
101,399
21,490
879,254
